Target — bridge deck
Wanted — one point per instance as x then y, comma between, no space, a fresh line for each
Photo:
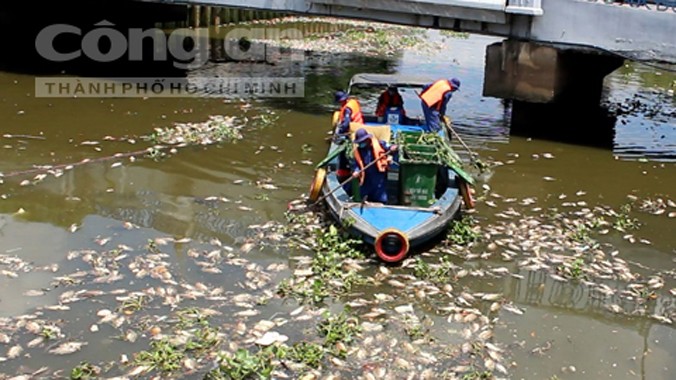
635,31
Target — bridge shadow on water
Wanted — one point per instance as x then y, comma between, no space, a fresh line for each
589,124
24,21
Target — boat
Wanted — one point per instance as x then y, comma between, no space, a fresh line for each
423,197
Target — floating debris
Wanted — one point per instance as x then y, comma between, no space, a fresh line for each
216,129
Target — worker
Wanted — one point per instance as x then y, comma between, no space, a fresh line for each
388,99
434,99
350,112
372,180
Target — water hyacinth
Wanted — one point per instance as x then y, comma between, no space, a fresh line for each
375,39
216,129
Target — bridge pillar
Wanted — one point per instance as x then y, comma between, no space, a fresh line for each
555,89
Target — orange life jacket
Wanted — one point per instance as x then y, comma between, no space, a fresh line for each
435,93
356,116
387,101
378,151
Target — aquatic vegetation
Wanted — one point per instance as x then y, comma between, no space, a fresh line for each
132,304
414,327
623,220
163,356
216,129
310,354
264,120
436,273
85,371
463,231
338,330
572,269
581,234
262,197
477,375
376,39
189,317
244,365
326,275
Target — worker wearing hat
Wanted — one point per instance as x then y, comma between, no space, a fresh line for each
350,111
372,180
434,100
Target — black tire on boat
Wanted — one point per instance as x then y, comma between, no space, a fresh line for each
392,245
317,183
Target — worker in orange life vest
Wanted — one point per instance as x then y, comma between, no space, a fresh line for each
434,100
350,112
373,180
389,98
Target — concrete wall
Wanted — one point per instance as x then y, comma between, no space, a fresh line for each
639,32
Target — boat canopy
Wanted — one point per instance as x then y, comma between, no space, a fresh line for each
379,80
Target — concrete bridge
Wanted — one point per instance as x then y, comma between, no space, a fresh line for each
635,28
556,53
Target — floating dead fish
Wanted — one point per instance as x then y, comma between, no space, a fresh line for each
247,313
404,309
270,338
139,370
661,318
617,309
396,284
512,309
14,352
306,272
34,293
35,342
491,296
246,247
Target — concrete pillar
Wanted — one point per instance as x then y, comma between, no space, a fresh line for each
556,90
195,16
544,73
206,16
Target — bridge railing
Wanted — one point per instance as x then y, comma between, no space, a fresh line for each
524,7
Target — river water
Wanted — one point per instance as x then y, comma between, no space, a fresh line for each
87,207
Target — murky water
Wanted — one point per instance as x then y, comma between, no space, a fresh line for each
204,193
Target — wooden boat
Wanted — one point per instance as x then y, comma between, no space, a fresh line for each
413,216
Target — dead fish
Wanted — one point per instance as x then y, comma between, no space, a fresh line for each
246,247
139,370
491,296
270,338
617,309
14,352
67,348
34,293
247,313
396,284
661,318
513,309
35,342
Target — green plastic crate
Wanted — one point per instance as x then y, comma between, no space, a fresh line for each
417,175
